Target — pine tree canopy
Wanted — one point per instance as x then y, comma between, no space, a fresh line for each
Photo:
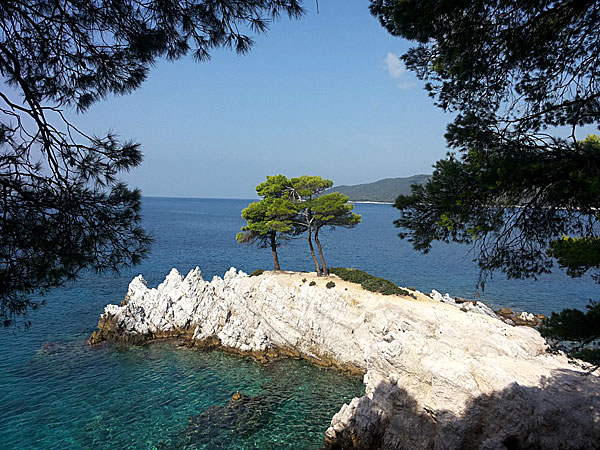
522,79
266,217
292,207
333,210
62,206
522,182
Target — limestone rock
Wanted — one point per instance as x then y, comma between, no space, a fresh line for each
524,318
438,374
464,305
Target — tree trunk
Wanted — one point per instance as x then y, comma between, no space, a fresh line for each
274,250
323,266
312,251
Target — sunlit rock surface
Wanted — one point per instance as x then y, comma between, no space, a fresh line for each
436,376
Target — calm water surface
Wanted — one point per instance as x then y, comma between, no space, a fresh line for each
57,393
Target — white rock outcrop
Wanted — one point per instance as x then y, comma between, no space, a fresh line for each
436,376
476,307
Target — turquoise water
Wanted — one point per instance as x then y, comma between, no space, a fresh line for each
57,393
161,397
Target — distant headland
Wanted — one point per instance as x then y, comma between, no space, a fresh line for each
382,191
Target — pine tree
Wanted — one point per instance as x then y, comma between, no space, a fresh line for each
270,219
302,191
331,210
62,206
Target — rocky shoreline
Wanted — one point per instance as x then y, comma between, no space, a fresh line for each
437,375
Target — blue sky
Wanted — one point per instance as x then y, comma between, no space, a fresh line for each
323,95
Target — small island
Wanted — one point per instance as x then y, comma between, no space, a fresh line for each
436,375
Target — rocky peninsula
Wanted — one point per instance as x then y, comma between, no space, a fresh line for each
438,375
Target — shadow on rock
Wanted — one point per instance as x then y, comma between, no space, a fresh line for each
563,412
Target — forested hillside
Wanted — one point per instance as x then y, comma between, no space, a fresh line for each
385,190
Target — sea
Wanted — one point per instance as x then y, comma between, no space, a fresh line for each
58,393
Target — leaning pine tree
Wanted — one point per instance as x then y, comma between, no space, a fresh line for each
331,210
302,191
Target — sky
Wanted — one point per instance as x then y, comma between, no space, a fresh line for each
323,95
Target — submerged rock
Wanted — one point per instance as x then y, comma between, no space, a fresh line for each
240,417
437,375
62,348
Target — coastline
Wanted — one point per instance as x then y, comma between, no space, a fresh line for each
367,202
430,368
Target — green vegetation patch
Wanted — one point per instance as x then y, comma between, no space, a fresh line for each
576,326
591,355
257,272
369,282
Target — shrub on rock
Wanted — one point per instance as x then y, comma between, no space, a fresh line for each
369,282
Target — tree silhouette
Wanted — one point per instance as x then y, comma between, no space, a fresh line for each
521,188
522,80
62,206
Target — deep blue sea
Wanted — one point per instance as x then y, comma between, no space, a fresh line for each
57,393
